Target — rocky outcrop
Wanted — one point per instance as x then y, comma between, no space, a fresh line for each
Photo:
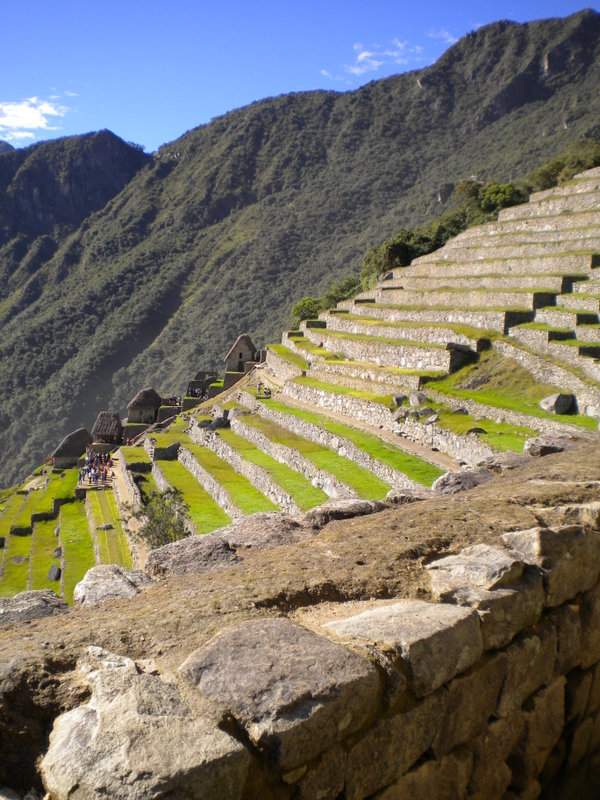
109,582
30,605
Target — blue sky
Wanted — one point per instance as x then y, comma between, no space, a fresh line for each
151,70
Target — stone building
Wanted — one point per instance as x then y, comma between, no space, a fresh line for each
144,406
108,428
71,448
242,351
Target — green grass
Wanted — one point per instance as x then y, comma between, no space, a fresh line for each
146,485
60,487
77,544
360,480
112,544
296,485
204,512
14,577
288,355
500,436
507,386
43,544
364,337
542,326
11,510
134,456
335,388
23,521
468,331
415,468
307,346
242,492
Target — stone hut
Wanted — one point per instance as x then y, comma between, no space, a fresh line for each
144,406
71,448
242,351
108,428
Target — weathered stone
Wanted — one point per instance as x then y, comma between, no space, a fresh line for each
568,556
577,692
54,573
398,742
294,693
476,429
137,738
325,779
567,622
435,641
491,776
426,411
506,611
398,399
433,418
109,582
531,659
454,482
479,566
401,497
530,792
342,508
547,444
446,779
558,403
30,605
594,698
543,718
57,552
417,399
503,462
580,742
8,794
472,697
590,628
106,527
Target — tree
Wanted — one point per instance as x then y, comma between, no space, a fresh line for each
501,195
307,308
163,519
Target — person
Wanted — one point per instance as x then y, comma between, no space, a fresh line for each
267,392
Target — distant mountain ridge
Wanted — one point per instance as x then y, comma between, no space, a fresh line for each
152,266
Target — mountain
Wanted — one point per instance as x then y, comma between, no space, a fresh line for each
5,147
118,273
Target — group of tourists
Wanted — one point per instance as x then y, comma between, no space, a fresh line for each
260,388
201,394
96,469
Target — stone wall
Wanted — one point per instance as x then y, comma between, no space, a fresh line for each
565,265
209,484
478,318
163,485
133,493
468,448
353,407
256,475
378,380
282,368
415,333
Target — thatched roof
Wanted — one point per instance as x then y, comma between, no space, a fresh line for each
74,444
108,423
242,341
145,398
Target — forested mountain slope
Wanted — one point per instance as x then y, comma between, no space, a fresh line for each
222,230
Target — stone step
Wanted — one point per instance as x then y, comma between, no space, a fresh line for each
580,184
549,283
590,286
390,352
540,333
367,376
588,333
560,264
564,317
557,203
483,318
589,244
467,298
580,302
575,220
567,350
493,237
438,333
364,385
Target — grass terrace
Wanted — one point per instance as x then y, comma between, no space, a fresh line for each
288,355
16,565
11,509
43,545
415,468
112,544
60,487
146,485
22,523
77,544
203,511
360,480
469,331
335,388
364,337
136,459
302,343
296,485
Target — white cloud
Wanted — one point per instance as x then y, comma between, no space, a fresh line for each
373,58
444,35
22,119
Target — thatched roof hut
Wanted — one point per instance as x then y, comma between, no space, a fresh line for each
71,448
144,406
242,350
108,428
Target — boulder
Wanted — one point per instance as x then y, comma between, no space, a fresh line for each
426,411
341,509
454,482
549,443
138,738
398,399
30,605
476,429
558,403
54,573
106,527
417,398
433,418
503,462
293,692
109,582
480,566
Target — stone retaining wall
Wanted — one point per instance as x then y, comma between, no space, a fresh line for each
552,284
565,265
479,318
134,497
351,407
163,485
458,299
282,368
415,333
219,494
340,444
468,449
379,380
318,477
538,340
510,251
256,475
552,204
349,380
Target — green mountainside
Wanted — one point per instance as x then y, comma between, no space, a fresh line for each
120,270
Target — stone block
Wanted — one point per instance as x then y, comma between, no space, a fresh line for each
558,403
30,605
567,622
325,779
491,776
577,693
293,692
446,779
54,573
544,717
435,641
594,697
137,738
479,566
472,697
580,742
393,745
531,659
454,482
417,399
590,628
568,556
109,582
505,612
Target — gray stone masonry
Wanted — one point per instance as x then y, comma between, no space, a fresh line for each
258,476
468,448
282,367
484,318
552,204
387,354
535,225
378,379
351,407
564,319
210,484
295,460
587,334
588,396
363,385
554,284
163,485
133,492
466,298
580,302
546,265
591,243
584,182
416,332
559,229
571,355
592,285
341,445
310,357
